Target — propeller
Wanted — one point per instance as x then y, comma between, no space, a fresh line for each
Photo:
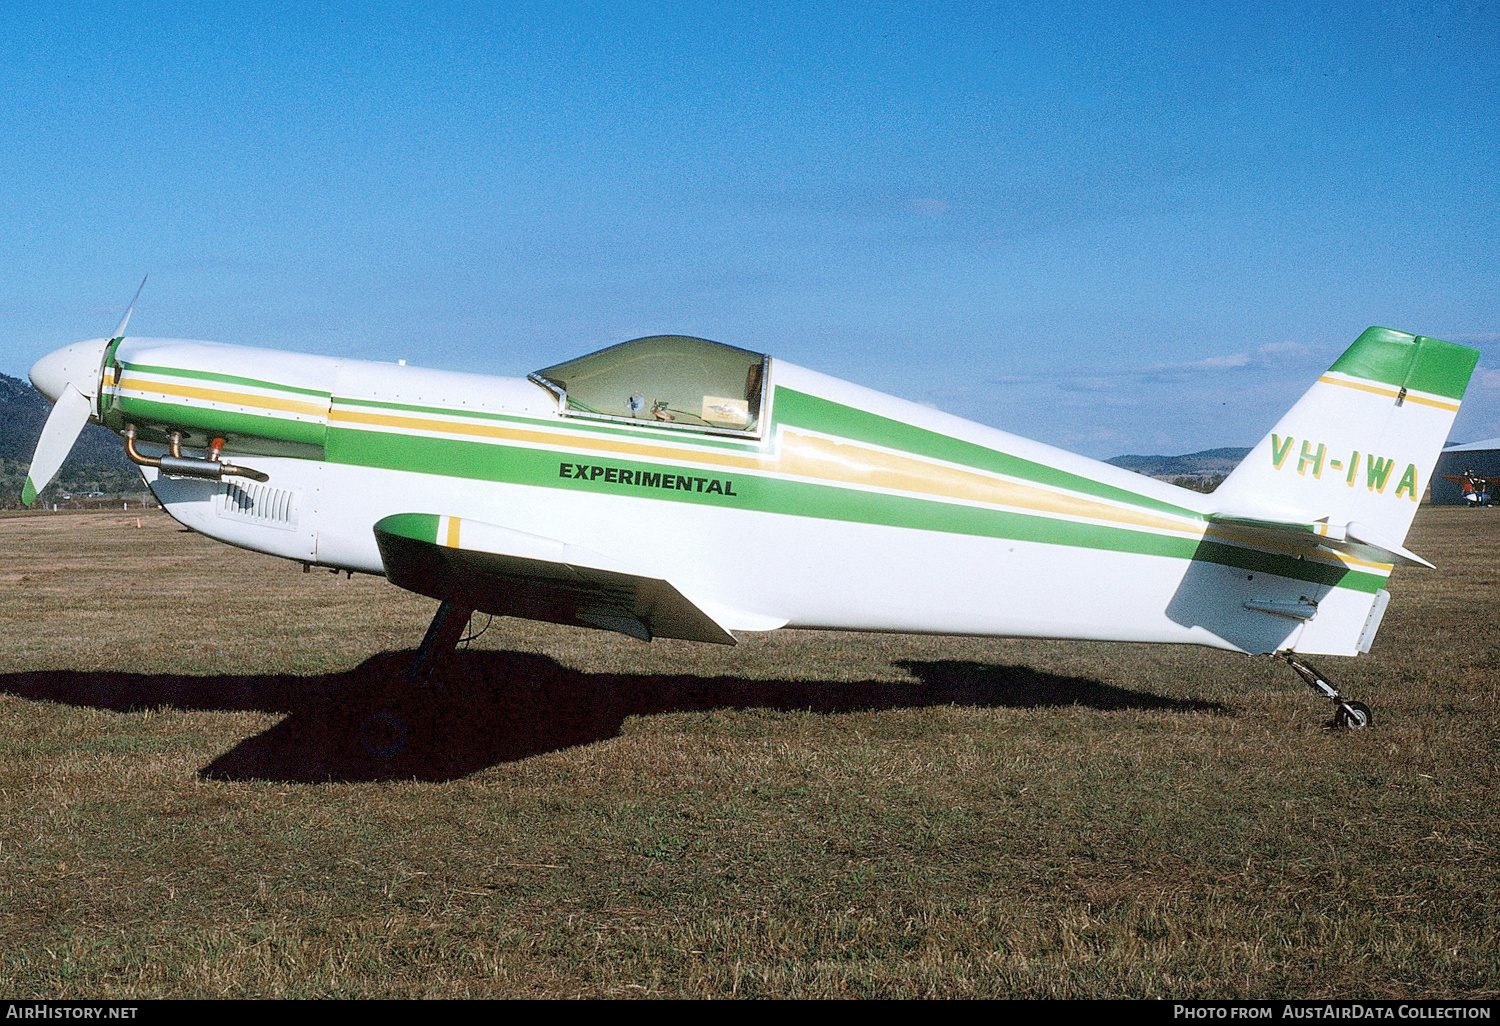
69,377
69,414
120,331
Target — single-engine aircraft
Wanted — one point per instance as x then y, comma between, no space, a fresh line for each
675,487
1478,490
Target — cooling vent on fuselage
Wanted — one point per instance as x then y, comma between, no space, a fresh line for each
257,504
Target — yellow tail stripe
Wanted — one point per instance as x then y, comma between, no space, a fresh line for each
1390,393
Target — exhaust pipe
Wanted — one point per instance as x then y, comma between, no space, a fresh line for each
178,465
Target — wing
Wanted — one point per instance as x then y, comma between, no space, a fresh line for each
510,573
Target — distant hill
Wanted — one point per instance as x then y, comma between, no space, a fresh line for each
1199,470
1209,461
97,463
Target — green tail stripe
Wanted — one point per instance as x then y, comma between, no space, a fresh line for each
1409,361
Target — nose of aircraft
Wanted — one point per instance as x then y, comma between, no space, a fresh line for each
79,364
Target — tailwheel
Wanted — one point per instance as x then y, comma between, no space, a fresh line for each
1351,716
1347,714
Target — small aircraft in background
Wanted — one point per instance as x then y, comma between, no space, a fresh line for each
1478,490
681,488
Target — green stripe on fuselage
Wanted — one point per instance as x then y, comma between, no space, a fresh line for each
477,460
517,465
227,379
798,409
645,431
215,420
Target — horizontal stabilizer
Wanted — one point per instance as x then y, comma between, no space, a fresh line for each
1352,539
511,573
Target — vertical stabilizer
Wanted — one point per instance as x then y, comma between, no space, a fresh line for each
1359,446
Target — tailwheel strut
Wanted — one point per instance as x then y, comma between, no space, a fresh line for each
1347,714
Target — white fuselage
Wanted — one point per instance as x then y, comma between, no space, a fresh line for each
852,510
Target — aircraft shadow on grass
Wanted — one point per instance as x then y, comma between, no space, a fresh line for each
368,723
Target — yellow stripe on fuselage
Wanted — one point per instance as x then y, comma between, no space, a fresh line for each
850,463
217,395
800,455
821,459
544,437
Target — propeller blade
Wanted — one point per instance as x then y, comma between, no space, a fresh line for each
120,331
66,422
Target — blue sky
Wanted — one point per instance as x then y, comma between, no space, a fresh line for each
1132,228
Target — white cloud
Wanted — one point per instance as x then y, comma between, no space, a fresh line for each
1259,357
1232,361
1271,356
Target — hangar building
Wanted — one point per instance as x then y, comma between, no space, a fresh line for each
1481,457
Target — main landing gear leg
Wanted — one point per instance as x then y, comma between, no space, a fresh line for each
442,637
383,733
1347,715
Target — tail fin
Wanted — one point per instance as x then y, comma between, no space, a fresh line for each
1359,446
1340,477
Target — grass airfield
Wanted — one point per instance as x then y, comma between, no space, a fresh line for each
186,808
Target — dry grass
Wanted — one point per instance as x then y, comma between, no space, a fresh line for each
185,808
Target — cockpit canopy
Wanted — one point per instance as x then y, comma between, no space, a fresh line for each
667,380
